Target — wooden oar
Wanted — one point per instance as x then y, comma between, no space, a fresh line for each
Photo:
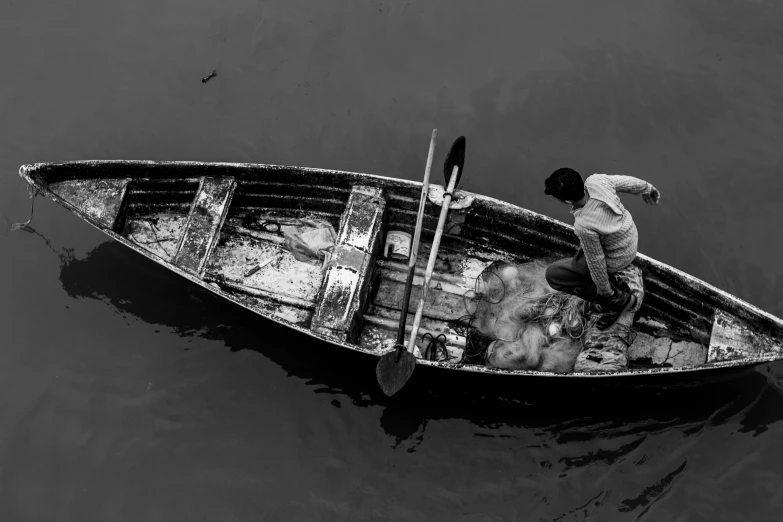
452,170
395,368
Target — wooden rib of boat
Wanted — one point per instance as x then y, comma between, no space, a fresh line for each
192,218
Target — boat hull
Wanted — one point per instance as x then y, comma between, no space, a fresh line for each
676,291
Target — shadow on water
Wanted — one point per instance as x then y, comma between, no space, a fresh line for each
576,411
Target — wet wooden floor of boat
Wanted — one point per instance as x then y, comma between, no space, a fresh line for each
282,286
157,233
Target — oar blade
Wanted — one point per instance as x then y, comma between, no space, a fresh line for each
392,374
455,157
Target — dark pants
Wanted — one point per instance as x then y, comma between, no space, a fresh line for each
572,276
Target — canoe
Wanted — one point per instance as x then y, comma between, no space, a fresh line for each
218,225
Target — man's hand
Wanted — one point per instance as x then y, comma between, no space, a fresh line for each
652,196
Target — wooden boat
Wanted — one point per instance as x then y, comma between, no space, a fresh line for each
196,220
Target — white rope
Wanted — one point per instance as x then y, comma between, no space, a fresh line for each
18,226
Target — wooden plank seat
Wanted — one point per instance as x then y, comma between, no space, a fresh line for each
205,219
348,272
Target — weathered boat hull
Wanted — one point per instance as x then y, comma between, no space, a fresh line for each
201,204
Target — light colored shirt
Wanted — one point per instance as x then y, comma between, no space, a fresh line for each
605,228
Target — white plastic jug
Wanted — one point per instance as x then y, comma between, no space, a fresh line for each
398,244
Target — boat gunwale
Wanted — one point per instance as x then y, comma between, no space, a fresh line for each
28,170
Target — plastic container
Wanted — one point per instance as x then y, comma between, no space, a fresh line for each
398,245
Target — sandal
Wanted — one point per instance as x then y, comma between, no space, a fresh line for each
431,351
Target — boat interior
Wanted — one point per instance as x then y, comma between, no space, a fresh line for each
225,225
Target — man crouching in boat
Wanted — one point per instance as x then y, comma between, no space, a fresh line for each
607,236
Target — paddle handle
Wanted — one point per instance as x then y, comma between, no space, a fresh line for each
414,250
425,188
444,212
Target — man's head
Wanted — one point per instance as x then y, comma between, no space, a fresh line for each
566,185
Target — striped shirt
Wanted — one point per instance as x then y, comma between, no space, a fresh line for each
605,228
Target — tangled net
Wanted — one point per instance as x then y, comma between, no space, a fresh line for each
516,321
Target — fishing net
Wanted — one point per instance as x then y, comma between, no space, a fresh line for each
517,321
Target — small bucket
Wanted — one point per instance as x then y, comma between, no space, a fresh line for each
398,245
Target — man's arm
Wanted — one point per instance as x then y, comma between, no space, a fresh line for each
629,184
596,262
632,185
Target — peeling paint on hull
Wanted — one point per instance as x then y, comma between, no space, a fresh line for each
99,199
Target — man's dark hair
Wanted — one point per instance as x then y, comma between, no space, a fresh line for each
565,184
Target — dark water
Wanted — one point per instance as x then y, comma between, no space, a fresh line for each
127,395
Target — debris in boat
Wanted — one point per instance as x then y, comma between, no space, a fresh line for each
208,77
252,271
136,229
398,245
260,265
386,344
435,347
382,344
272,227
307,242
